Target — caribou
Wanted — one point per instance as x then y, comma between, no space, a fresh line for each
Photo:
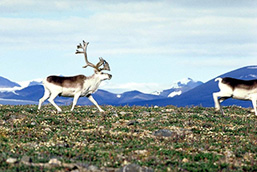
237,89
76,86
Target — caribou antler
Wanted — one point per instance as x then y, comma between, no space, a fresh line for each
97,66
84,48
104,63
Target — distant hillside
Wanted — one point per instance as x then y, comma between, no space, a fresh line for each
31,91
202,95
183,93
180,87
5,83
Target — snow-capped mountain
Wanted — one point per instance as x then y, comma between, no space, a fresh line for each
182,93
202,94
186,92
29,92
6,83
24,84
180,87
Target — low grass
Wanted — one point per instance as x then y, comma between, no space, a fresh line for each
202,140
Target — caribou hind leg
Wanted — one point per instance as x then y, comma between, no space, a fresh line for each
219,97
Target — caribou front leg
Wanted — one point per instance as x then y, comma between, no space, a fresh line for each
75,99
90,97
51,100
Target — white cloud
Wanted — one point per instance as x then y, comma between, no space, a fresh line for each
171,31
39,6
142,87
219,62
133,28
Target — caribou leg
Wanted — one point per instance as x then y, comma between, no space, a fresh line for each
90,97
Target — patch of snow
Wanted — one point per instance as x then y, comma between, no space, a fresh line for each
252,67
24,84
10,89
175,85
146,88
16,100
252,75
184,81
157,93
175,93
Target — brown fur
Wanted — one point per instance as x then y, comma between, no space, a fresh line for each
237,83
67,82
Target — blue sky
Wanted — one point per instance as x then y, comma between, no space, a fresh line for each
149,44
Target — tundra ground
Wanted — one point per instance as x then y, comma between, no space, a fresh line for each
158,138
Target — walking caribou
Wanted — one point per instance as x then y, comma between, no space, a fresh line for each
237,89
76,86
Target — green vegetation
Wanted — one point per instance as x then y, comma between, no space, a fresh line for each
201,140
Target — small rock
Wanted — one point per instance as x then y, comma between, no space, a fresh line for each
2,122
207,125
169,110
163,132
76,170
145,113
82,165
165,117
125,162
126,113
48,129
13,117
54,161
93,168
26,159
185,160
132,123
115,115
141,152
11,160
134,168
101,127
151,119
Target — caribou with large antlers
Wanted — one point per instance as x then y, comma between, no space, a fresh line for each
76,86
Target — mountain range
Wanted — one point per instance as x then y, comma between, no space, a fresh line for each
186,92
32,91
5,83
202,94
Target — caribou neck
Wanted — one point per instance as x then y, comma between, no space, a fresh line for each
92,82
